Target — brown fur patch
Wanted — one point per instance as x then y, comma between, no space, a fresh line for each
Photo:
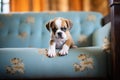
51,42
50,25
64,24
69,23
53,25
69,42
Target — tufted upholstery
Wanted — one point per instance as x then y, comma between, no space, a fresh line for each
28,29
24,39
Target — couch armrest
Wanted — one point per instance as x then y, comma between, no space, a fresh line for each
102,35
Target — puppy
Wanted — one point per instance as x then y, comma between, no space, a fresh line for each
60,36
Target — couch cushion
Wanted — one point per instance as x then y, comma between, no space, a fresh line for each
33,63
28,29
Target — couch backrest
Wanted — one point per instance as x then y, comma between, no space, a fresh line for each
28,29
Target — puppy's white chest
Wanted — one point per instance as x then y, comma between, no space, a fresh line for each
59,43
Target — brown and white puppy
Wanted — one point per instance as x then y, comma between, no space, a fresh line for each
60,36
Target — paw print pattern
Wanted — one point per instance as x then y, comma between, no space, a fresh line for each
17,66
86,62
106,45
43,51
82,39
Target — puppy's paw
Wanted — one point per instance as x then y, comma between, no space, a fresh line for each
51,53
64,50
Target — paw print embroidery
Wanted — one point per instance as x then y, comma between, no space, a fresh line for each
82,39
17,66
86,62
106,45
42,51
30,19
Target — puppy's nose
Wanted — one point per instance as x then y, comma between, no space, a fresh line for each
60,34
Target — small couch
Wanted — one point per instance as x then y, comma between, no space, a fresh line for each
24,41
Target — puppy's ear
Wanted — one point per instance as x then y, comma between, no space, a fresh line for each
69,23
49,25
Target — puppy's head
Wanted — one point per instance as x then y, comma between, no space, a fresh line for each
59,27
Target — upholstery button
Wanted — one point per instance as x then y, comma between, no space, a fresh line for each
9,32
31,33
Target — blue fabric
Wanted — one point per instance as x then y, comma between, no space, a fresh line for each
100,34
28,29
22,35
37,65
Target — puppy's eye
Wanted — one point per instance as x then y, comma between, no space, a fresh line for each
54,29
63,29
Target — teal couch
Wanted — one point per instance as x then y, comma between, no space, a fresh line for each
24,40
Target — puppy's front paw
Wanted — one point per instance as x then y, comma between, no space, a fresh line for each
64,50
51,53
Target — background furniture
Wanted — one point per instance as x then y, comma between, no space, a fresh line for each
115,32
24,39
